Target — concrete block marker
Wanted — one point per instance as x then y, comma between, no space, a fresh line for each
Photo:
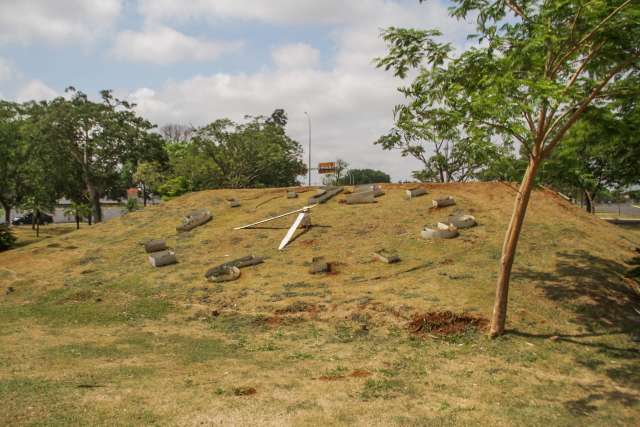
461,221
162,258
225,274
386,256
325,194
414,192
445,201
319,265
441,231
360,198
155,245
375,188
222,269
292,195
193,220
234,203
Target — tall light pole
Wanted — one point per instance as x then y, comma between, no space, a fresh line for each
309,119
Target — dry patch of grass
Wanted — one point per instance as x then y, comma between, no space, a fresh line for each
91,334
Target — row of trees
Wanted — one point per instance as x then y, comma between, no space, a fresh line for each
224,154
85,150
70,147
345,176
599,154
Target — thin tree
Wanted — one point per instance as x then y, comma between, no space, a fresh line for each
537,68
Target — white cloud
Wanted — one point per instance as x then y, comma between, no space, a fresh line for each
295,56
349,109
272,11
350,103
6,70
56,21
35,90
164,45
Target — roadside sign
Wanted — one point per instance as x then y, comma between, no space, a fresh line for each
327,167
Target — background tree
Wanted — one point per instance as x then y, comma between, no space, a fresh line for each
364,176
44,168
257,153
435,137
541,64
78,211
150,176
101,138
189,169
13,157
177,132
174,187
598,155
506,166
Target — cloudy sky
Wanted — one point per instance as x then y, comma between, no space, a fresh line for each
193,61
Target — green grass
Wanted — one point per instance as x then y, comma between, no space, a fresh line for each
91,335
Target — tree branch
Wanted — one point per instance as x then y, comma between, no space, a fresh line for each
582,66
575,21
529,120
588,36
516,9
504,128
583,105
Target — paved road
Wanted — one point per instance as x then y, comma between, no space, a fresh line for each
108,212
620,209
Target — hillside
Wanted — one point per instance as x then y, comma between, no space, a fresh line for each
92,334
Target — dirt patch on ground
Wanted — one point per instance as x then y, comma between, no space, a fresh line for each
244,391
360,373
444,323
273,321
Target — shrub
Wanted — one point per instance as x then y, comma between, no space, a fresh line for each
174,187
7,239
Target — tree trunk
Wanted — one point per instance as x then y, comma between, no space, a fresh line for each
77,221
96,209
7,214
36,216
509,248
144,195
589,202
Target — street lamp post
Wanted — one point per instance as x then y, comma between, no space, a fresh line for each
309,120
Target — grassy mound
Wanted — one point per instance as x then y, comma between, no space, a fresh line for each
91,334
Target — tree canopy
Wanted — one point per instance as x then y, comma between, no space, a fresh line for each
537,67
256,153
85,149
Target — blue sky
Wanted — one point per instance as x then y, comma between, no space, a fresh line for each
193,61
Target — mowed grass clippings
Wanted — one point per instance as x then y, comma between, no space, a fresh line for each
92,335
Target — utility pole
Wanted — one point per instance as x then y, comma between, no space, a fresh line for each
309,120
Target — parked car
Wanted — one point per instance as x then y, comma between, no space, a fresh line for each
27,219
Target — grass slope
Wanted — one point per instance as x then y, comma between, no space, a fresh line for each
93,335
